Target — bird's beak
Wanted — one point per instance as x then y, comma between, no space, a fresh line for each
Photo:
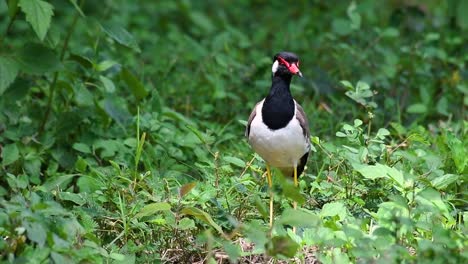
294,69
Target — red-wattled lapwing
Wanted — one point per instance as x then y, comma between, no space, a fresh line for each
278,129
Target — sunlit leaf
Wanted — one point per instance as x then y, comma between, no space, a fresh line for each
39,14
334,208
203,216
235,161
151,209
298,218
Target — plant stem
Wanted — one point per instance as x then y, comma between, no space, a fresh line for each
53,85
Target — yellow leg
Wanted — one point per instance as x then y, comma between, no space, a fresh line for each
295,203
270,184
295,184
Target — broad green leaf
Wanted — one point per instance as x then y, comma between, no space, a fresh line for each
137,88
72,197
432,198
290,191
186,188
462,10
382,171
108,84
8,72
186,223
282,246
121,35
458,152
56,182
445,180
10,154
341,26
197,133
298,218
417,108
117,256
202,21
347,84
203,216
334,208
37,59
151,209
233,250
39,14
89,184
81,147
36,233
105,65
390,32
235,161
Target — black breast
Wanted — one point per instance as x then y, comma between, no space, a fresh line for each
278,111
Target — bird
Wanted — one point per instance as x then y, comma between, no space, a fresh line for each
278,129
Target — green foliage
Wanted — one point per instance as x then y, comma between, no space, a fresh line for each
121,132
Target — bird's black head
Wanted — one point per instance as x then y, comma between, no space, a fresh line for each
286,63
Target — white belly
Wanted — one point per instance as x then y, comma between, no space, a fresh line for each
280,148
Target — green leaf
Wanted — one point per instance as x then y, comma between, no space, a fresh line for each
462,10
417,108
108,84
37,59
382,171
10,154
443,181
56,182
203,216
291,191
186,223
121,35
233,250
38,14
137,88
36,233
73,197
117,256
298,218
81,147
458,152
235,161
105,65
8,73
390,33
334,208
347,84
341,26
151,209
282,246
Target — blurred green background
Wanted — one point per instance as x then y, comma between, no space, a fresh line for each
108,107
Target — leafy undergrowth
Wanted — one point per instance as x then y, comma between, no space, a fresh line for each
121,132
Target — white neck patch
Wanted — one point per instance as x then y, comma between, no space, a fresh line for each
274,68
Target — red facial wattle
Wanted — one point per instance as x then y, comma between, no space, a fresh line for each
292,67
